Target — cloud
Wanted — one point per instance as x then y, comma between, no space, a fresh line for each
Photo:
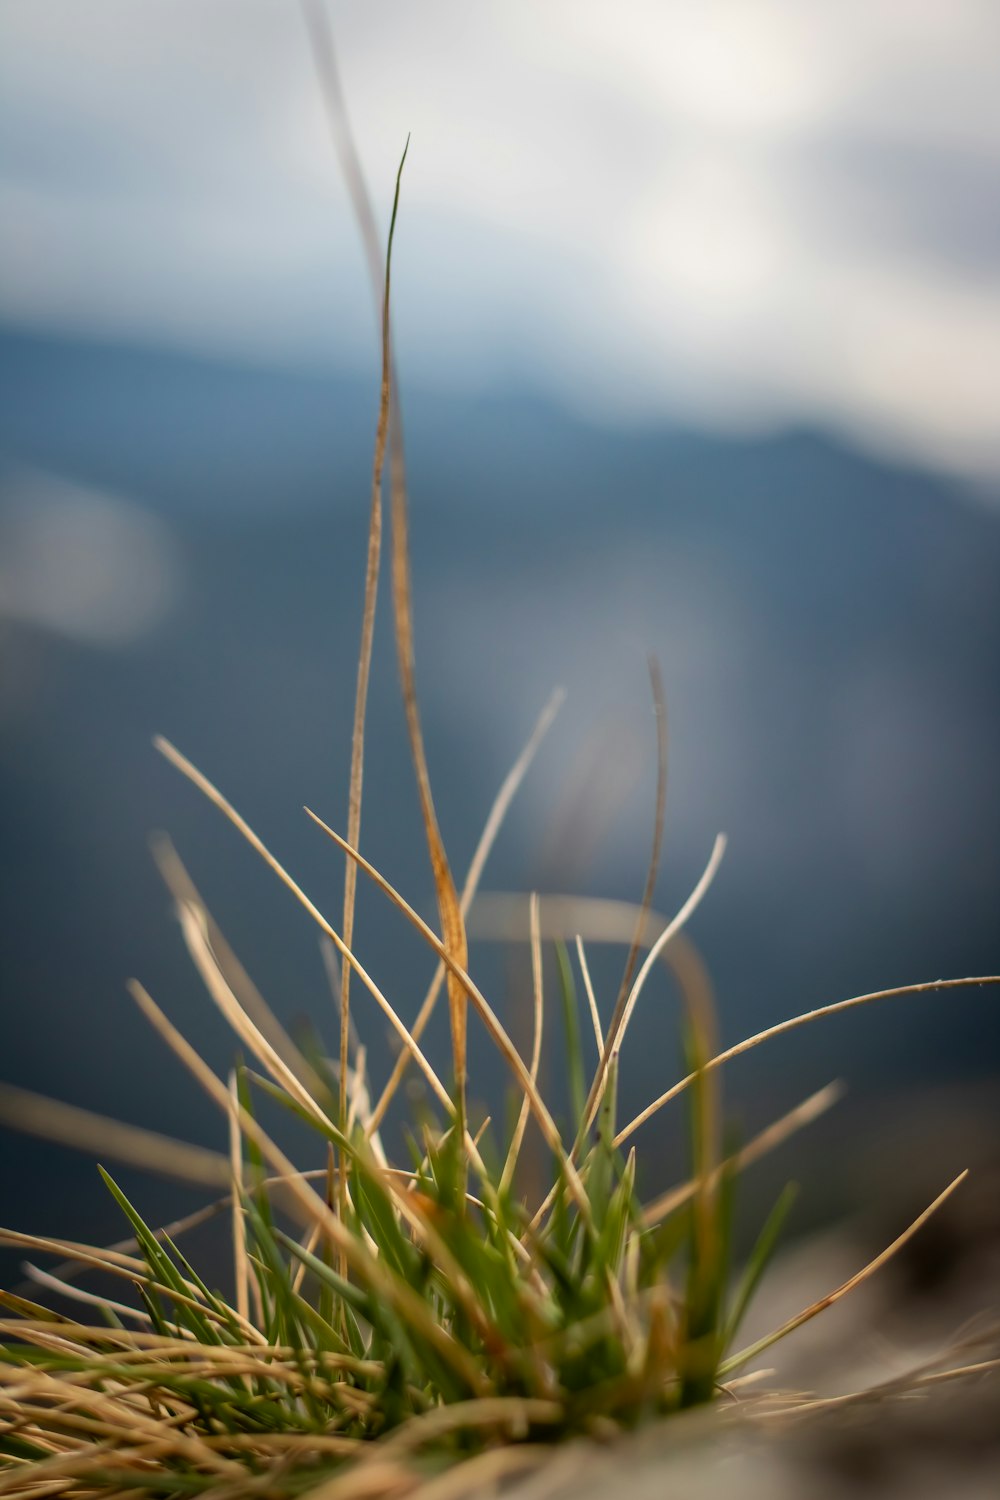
729,211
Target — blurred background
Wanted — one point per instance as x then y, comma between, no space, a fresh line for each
698,321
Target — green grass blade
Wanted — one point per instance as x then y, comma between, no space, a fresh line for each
571,1025
758,1260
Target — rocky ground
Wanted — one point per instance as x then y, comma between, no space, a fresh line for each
934,1308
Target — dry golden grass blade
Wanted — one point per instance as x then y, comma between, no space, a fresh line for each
369,1479
65,1288
309,1245
901,1385
55,1398
960,1372
72,1468
311,1207
735,1361
538,993
172,1231
667,942
449,907
25,1480
241,1265
117,1422
591,997
365,657
547,1472
611,1047
613,1039
791,1024
498,812
493,1025
358,1102
513,1415
702,999
505,796
356,785
209,790
134,1347
324,56
196,940
502,916
185,893
483,1475
452,921
451,914
302,1445
54,1342
768,1140
84,1130
112,1261
114,1264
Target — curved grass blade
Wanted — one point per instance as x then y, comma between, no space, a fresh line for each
792,1024
736,1361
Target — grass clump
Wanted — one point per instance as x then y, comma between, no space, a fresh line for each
385,1318
388,1317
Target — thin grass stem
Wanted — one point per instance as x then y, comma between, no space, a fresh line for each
493,1026
792,1024
538,994
591,998
487,839
736,1361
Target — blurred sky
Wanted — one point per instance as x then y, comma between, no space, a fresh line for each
726,211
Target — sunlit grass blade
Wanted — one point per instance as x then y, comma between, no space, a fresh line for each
615,1035
231,972
213,794
805,1019
736,1361
493,1026
309,1204
449,908
767,1140
498,812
